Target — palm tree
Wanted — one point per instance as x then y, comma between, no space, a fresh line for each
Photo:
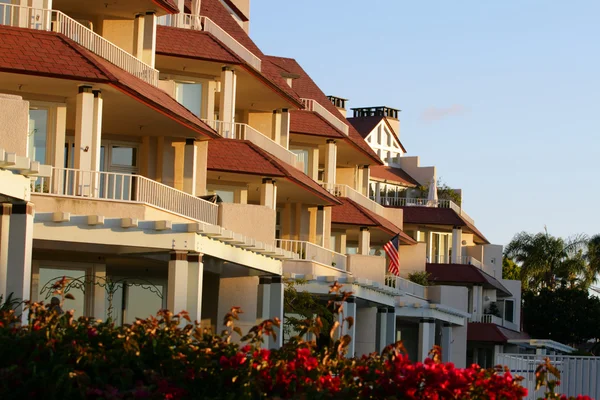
593,259
546,260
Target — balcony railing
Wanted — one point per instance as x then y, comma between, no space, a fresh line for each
487,319
468,260
354,195
53,20
307,251
313,105
408,202
201,23
100,185
399,283
240,131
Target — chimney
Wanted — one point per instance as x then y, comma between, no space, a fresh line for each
390,114
339,103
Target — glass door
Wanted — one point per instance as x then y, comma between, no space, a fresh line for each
120,161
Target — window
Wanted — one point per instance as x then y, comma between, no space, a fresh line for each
189,94
38,134
509,310
302,156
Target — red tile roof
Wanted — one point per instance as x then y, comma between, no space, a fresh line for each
309,123
484,332
392,175
307,88
54,55
194,44
464,274
240,156
365,125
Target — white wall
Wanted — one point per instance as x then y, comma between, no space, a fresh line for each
238,292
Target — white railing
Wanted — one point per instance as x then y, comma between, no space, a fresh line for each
409,202
486,319
443,259
53,20
307,251
190,21
246,132
354,195
404,285
68,182
313,105
578,375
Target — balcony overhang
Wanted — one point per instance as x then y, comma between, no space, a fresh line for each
465,275
117,9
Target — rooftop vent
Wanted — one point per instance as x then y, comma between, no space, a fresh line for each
339,103
382,111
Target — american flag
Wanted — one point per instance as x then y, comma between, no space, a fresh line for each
391,249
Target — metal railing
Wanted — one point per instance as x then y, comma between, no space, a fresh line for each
69,182
404,285
409,202
189,21
313,105
53,20
354,195
307,251
578,375
246,132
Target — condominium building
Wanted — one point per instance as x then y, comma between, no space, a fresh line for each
152,153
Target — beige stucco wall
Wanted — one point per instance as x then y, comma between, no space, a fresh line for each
367,267
257,222
345,176
262,122
412,258
311,268
14,124
423,175
366,323
468,238
119,32
238,292
395,216
451,296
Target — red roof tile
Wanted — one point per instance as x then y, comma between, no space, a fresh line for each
309,123
194,44
464,274
484,332
392,175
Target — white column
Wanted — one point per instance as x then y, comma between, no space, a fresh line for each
194,288
98,297
177,285
457,245
138,36
381,335
350,311
276,310
263,309
267,193
320,226
378,192
365,180
5,213
190,163
276,126
84,127
364,241
227,101
391,326
20,242
426,337
330,161
149,46
96,130
446,342
285,128
60,128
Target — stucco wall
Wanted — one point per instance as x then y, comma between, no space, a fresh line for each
458,351
119,32
451,296
262,122
311,268
366,322
394,215
345,176
14,124
367,267
412,258
423,175
254,221
239,292
515,288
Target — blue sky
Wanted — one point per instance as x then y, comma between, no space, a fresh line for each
503,97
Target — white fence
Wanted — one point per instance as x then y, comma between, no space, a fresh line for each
53,20
579,375
190,21
346,191
399,283
68,182
408,202
246,132
307,251
486,319
313,105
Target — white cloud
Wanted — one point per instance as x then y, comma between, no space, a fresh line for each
433,114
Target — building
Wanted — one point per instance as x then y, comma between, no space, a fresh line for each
159,159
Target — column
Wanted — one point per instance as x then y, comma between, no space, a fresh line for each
350,311
426,337
276,126
313,163
366,175
5,213
456,245
84,128
20,242
276,310
446,342
190,160
194,288
330,161
138,36
340,242
177,285
209,90
60,128
227,101
240,196
96,130
378,192
149,45
285,128
267,193
320,226
391,326
98,297
364,241
381,329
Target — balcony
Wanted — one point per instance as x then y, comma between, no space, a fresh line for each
246,132
313,105
487,319
354,195
135,189
189,21
404,285
407,202
56,21
465,260
307,251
